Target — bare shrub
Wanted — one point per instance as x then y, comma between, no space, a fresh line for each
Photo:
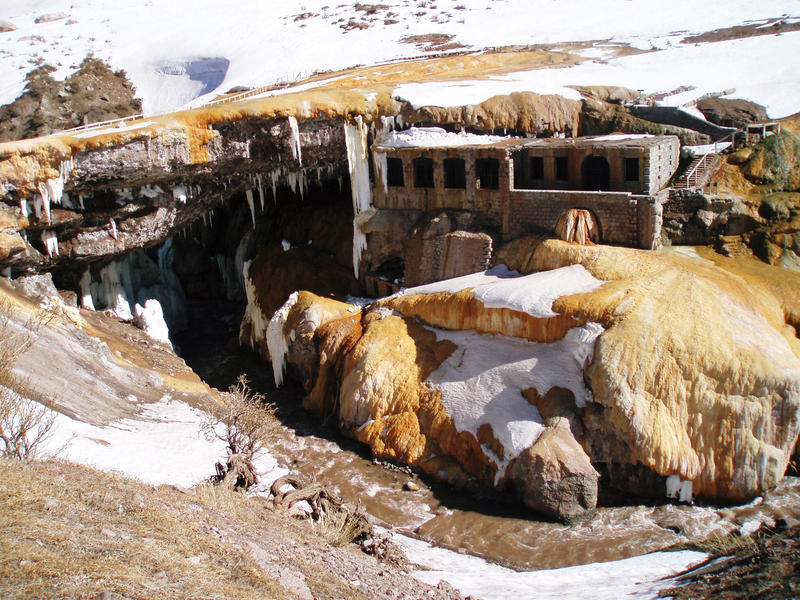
245,423
26,420
335,522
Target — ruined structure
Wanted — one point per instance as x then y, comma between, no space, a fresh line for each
481,189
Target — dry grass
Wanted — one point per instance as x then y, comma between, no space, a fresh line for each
70,532
725,544
342,526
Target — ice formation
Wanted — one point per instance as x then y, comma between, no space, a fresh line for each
50,241
113,228
23,207
252,313
355,135
113,280
251,204
153,191
677,488
51,190
86,290
296,149
380,169
277,342
179,193
150,318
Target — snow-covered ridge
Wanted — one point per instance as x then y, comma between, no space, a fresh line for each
231,49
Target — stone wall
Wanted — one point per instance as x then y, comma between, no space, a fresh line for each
445,256
616,213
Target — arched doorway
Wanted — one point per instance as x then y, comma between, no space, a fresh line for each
595,173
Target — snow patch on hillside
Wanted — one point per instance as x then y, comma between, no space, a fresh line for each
162,444
639,577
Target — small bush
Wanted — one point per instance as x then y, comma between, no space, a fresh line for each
245,423
26,420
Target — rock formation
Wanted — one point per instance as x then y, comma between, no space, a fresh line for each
676,371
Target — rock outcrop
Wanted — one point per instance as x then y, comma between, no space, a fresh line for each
680,373
92,94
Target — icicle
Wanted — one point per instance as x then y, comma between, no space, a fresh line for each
260,191
50,241
42,203
277,343
222,265
249,194
379,158
355,135
275,176
80,201
7,272
23,207
113,225
296,150
86,290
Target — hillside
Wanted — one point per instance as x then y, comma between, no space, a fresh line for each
196,50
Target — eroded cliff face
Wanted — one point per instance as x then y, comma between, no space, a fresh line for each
612,359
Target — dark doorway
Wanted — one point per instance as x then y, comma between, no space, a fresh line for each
487,172
595,173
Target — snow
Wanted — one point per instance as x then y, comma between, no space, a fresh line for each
617,137
90,133
751,70
501,287
483,379
260,43
434,137
706,148
639,577
162,444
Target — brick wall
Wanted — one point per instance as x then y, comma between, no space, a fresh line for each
617,213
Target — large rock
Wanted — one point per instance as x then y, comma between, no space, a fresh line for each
555,476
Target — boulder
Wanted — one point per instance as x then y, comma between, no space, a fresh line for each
555,476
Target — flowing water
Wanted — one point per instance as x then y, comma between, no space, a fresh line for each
485,525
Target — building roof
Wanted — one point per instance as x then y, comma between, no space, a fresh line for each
435,137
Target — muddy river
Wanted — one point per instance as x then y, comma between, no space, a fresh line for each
484,525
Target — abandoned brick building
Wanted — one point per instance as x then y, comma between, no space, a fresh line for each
457,195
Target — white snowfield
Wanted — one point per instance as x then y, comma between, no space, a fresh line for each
639,577
178,50
162,445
